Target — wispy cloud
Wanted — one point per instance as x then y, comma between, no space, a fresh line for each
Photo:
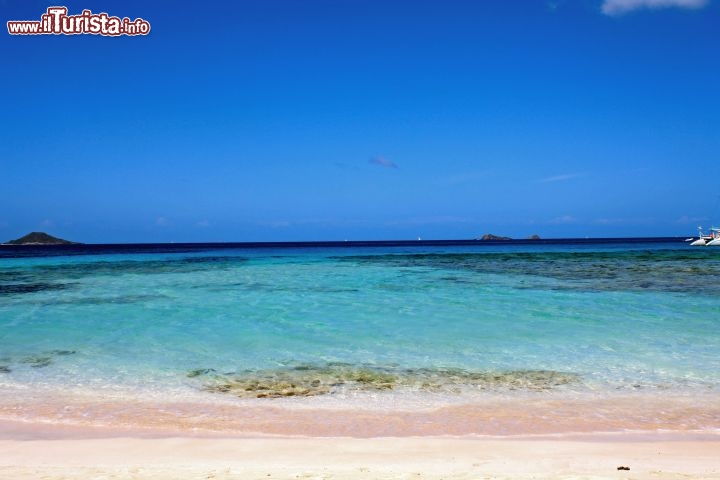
320,222
434,220
563,220
203,224
277,224
620,7
162,222
644,221
554,4
687,219
560,178
383,162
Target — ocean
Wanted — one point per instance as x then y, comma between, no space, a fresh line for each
364,338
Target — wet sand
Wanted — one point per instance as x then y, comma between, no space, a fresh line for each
494,416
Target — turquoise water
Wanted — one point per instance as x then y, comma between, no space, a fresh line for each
323,322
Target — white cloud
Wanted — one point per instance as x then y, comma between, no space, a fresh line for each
203,224
162,222
560,178
619,7
383,162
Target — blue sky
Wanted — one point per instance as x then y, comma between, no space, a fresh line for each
352,119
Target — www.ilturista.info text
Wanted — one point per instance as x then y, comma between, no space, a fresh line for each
57,22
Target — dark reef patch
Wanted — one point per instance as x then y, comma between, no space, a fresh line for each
37,361
40,360
78,300
200,371
43,274
682,271
18,288
311,380
62,353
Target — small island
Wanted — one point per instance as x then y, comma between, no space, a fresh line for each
40,238
490,236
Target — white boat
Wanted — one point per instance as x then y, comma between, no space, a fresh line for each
711,239
715,242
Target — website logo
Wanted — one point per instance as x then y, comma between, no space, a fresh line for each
57,22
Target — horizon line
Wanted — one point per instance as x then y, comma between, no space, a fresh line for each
387,242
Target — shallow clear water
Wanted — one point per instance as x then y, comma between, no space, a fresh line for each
459,322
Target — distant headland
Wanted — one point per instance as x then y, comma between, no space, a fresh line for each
490,236
40,238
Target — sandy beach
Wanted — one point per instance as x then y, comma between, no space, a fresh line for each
591,456
73,437
381,369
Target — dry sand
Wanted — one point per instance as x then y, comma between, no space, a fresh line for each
590,456
178,441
